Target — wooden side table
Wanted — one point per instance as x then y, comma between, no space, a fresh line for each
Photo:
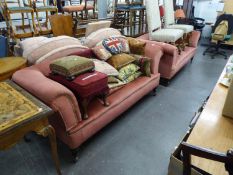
21,115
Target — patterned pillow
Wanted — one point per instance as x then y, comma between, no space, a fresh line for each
127,71
144,63
102,66
136,46
125,45
133,77
112,79
120,60
101,53
113,45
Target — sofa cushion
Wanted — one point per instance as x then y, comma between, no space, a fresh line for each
132,77
112,79
136,46
113,45
144,63
126,71
125,45
101,52
71,66
99,35
104,67
120,60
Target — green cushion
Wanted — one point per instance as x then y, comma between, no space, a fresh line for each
133,77
127,71
20,9
144,63
72,66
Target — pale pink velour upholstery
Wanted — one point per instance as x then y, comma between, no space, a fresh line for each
171,62
69,126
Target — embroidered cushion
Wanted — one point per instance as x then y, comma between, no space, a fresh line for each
120,60
144,63
136,46
113,45
125,45
104,67
112,79
71,66
133,77
101,53
127,71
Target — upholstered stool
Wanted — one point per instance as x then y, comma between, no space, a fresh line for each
9,65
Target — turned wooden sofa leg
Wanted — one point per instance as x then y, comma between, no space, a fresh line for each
75,154
164,82
154,91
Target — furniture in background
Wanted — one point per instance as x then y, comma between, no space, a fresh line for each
4,46
221,34
208,130
69,126
43,27
171,61
170,23
129,15
9,65
26,114
172,36
94,26
15,30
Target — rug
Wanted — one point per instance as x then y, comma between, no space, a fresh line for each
14,107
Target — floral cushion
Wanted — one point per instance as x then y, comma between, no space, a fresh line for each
112,79
113,45
127,71
101,53
125,45
102,66
144,63
120,60
132,77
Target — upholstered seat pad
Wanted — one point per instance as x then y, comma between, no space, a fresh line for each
167,35
185,28
73,8
20,9
48,8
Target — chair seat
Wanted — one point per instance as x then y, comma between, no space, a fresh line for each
185,28
20,9
167,35
73,8
46,8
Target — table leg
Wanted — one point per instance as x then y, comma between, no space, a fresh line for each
53,144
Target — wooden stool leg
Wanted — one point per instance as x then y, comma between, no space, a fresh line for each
106,103
85,103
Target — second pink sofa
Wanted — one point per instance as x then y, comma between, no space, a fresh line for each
171,61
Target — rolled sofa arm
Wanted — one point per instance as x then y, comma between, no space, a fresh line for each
58,97
154,52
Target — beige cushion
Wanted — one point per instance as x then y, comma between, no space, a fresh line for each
94,26
167,35
185,28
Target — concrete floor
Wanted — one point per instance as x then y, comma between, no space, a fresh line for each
137,143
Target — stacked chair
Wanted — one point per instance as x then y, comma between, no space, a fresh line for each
169,19
18,31
156,33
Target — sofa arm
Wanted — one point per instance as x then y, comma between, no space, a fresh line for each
58,97
194,38
154,52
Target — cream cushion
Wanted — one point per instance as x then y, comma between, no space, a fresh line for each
166,35
185,28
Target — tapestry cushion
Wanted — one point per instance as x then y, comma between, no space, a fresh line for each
71,66
116,85
113,45
144,63
101,53
100,35
120,60
104,67
136,46
112,79
127,71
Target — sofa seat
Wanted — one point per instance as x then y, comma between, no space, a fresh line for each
167,35
99,116
185,28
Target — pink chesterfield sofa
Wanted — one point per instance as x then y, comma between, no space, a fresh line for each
171,62
69,126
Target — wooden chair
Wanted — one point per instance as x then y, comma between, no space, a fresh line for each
17,31
189,150
43,6
89,5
